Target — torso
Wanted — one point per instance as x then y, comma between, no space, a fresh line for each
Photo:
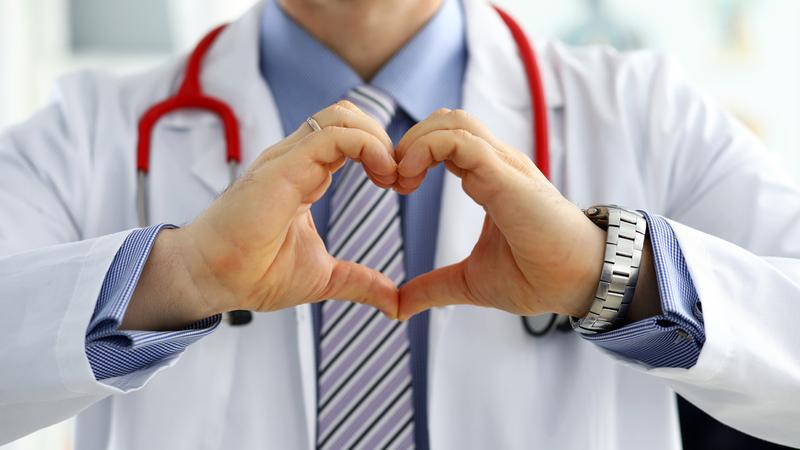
490,384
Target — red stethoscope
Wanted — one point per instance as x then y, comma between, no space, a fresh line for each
190,95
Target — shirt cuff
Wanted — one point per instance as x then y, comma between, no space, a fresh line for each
674,338
113,352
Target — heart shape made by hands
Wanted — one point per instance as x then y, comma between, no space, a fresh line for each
257,247
536,253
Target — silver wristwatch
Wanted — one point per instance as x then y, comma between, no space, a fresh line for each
624,242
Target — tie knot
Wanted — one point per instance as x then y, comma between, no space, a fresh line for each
374,102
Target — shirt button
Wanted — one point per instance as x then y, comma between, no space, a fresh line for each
682,336
698,310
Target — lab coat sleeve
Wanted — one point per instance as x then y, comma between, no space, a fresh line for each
736,216
50,274
120,357
47,297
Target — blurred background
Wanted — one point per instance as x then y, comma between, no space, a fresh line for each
745,53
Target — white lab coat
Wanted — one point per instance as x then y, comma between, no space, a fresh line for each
624,129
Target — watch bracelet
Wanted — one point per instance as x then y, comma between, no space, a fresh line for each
625,235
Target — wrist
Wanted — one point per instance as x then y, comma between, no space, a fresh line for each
165,297
589,267
625,236
201,279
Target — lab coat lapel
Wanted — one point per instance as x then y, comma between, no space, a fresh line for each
231,73
496,92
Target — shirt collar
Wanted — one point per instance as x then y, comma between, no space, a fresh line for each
425,74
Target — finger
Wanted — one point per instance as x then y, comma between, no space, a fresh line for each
445,119
357,283
432,122
466,152
336,165
383,181
332,143
309,163
405,186
341,114
347,115
441,287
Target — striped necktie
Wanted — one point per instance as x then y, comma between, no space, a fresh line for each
365,394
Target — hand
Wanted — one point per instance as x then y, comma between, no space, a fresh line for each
537,252
256,246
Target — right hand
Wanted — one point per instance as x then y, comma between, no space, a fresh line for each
256,246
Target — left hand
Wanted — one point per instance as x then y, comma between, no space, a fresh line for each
537,252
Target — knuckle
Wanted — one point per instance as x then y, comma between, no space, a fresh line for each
330,134
327,131
337,109
441,112
460,114
347,105
462,134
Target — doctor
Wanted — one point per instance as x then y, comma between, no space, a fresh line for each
121,324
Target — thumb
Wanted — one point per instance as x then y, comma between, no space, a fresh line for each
441,287
360,284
